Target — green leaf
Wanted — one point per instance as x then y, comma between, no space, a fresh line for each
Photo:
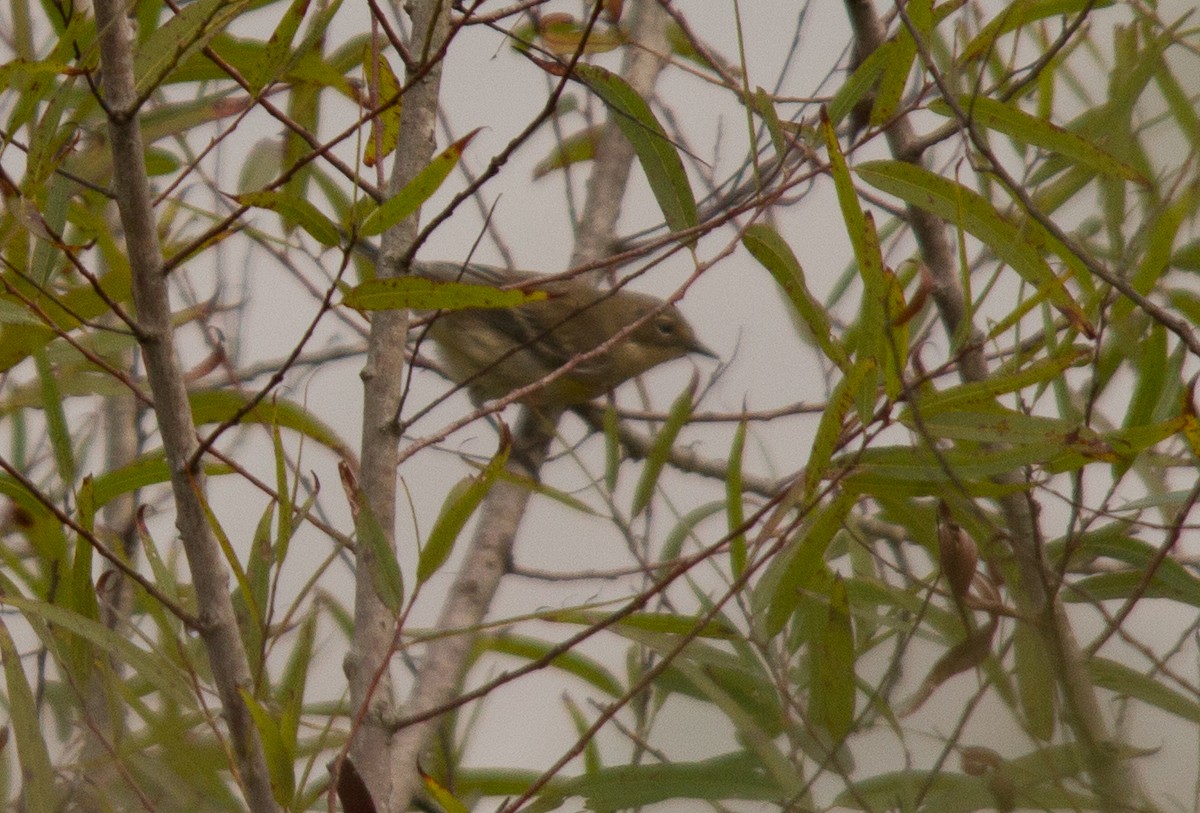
295,210
216,406
612,447
897,67
409,199
56,419
685,527
66,310
970,211
153,667
464,497
774,254
147,470
34,760
1119,678
272,60
422,293
792,571
660,452
1035,681
733,776
831,658
860,227
654,150
997,424
762,104
172,43
384,86
445,799
572,662
733,500
376,553
573,149
255,613
1016,123
1020,13
833,422
630,625
283,494
279,759
859,85
979,393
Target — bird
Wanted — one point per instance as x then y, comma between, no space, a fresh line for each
494,351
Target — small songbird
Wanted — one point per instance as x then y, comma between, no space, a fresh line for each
493,351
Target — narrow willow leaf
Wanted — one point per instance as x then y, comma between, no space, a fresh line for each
272,60
295,210
1012,16
998,424
660,452
685,527
860,83
409,199
734,509
172,43
81,594
1180,105
573,149
620,787
1160,242
280,762
375,552
56,419
239,573
852,213
458,507
563,35
384,87
445,799
215,406
572,662
977,394
657,155
897,66
612,447
1035,682
969,210
282,494
1016,123
258,565
422,293
743,710
774,254
832,423
833,688
635,623
1120,679
867,255
798,564
763,104
34,760
149,469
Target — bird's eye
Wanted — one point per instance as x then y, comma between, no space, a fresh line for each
665,326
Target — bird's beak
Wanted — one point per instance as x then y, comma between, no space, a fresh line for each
696,346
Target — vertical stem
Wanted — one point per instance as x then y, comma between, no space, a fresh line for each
383,384
155,336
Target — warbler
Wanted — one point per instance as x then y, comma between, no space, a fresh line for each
494,351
